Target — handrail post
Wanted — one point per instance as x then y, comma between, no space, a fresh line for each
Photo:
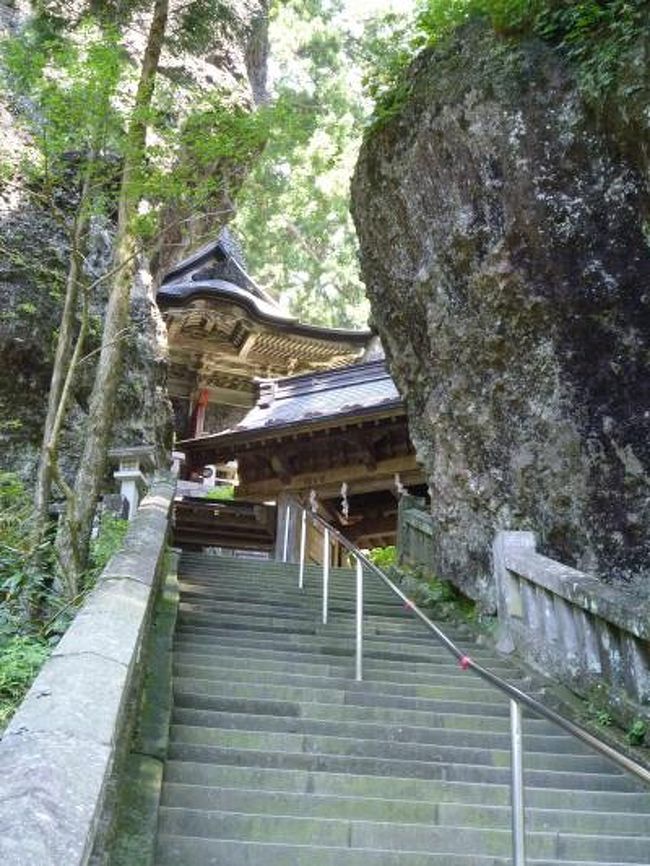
517,785
285,545
303,547
326,572
358,675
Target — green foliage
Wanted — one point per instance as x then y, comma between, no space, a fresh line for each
31,615
637,732
27,309
602,717
74,89
593,35
294,207
201,24
67,84
22,577
22,581
383,557
194,157
221,493
435,596
107,542
21,658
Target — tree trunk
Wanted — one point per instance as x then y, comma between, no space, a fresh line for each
62,358
74,533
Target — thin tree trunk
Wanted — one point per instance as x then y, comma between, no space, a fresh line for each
62,357
74,533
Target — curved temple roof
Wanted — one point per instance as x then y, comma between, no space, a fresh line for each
213,273
358,391
224,331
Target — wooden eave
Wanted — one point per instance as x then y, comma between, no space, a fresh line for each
225,446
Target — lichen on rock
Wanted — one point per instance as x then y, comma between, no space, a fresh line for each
503,249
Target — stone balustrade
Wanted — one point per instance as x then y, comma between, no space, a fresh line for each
584,633
573,626
58,751
415,532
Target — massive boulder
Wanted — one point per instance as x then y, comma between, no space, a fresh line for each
504,244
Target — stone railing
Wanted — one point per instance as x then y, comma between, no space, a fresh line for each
57,754
572,626
414,532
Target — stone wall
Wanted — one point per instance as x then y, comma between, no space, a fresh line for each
58,751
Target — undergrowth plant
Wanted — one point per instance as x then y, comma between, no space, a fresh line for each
221,493
592,35
21,658
32,616
438,597
637,732
108,540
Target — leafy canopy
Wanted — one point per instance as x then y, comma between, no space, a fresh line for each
74,88
592,34
294,208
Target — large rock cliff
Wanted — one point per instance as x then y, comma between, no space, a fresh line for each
505,248
33,249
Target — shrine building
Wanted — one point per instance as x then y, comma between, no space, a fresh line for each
301,410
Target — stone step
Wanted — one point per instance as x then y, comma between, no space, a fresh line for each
346,834
444,663
373,673
360,785
450,687
369,835
350,696
340,602
493,704
304,641
192,616
386,766
561,744
278,756
400,811
279,582
276,584
343,598
265,571
175,850
337,745
349,712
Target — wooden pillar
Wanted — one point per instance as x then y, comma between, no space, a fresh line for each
197,420
293,534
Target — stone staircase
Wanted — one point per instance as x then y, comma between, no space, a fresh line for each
278,758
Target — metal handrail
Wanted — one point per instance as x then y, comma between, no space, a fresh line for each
486,674
518,699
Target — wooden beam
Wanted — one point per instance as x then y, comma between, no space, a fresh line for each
279,466
247,345
328,482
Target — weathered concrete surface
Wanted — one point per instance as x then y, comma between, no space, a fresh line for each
50,784
504,248
57,753
579,632
130,818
